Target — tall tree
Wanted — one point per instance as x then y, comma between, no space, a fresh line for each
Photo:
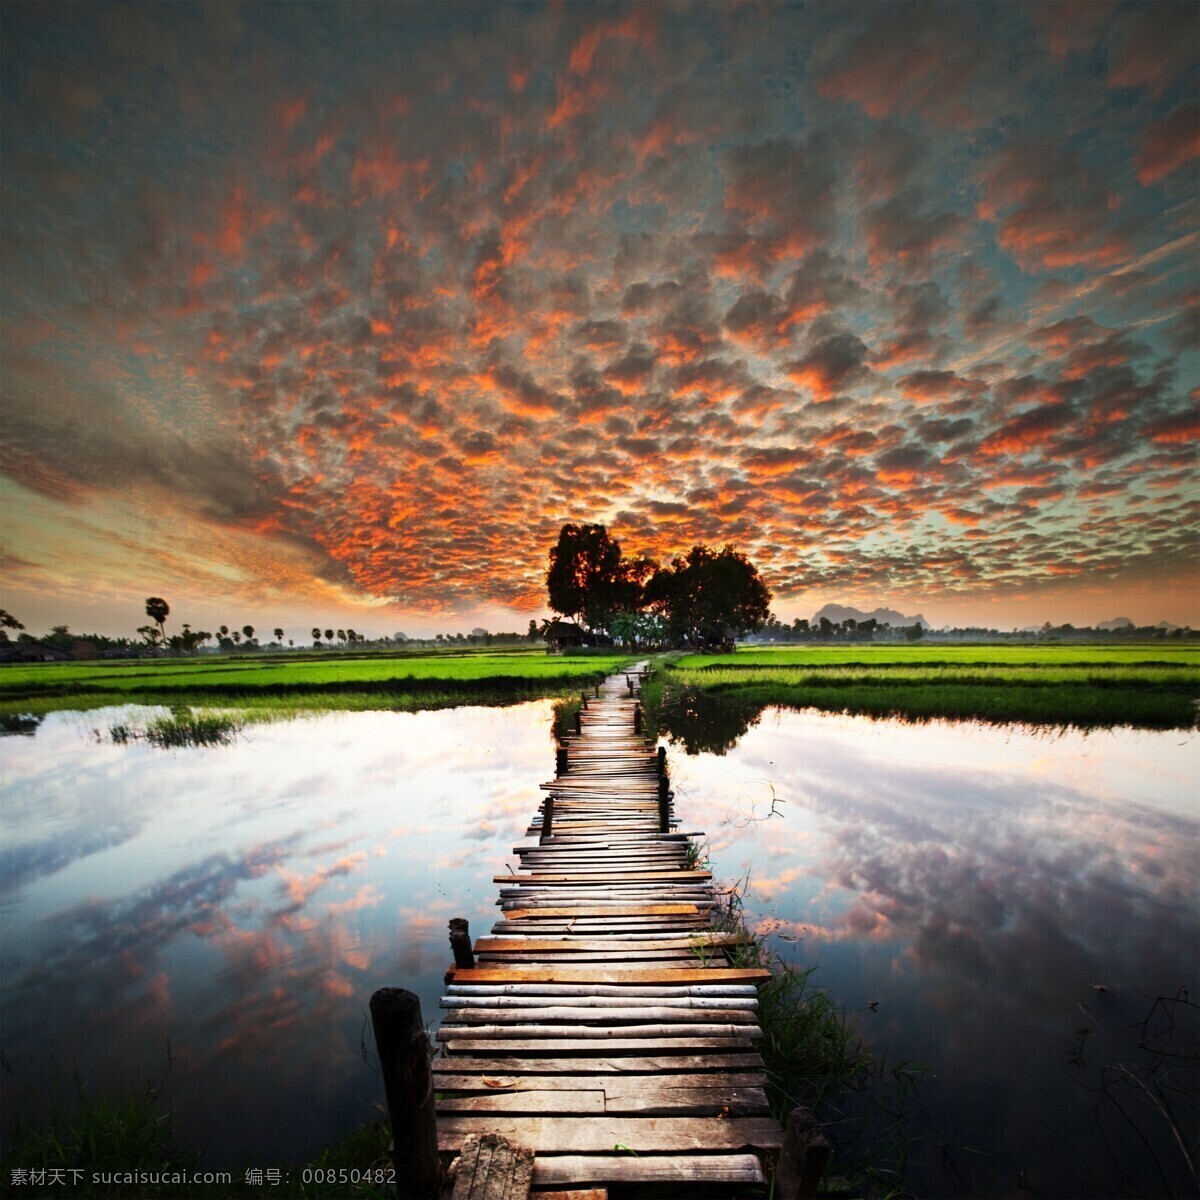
157,609
588,579
279,635
710,595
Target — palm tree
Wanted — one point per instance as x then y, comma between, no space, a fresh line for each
157,609
316,634
248,631
279,635
341,635
329,635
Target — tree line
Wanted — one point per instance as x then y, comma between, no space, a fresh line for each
705,598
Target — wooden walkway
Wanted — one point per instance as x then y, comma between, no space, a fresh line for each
603,1025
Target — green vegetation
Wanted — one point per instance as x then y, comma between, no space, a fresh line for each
113,1140
708,702
286,685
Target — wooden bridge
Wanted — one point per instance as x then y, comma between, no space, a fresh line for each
602,1024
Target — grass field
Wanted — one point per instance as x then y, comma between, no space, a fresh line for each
707,698
294,682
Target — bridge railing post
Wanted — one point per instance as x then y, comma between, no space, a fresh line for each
547,816
804,1157
562,763
403,1048
664,804
637,718
460,943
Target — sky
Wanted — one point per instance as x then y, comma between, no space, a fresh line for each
334,314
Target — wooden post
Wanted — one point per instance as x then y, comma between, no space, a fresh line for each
561,763
662,760
578,723
803,1159
460,943
583,699
637,718
597,691
629,683
403,1049
664,804
547,816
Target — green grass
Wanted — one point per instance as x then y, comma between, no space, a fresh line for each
923,654
274,686
707,702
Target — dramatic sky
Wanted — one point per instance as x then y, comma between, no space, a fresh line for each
334,314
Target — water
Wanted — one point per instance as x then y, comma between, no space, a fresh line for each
222,916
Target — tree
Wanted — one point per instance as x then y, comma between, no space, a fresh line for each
7,622
248,632
532,635
279,635
316,634
588,579
329,635
709,596
151,634
157,609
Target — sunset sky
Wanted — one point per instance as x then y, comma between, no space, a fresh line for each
333,314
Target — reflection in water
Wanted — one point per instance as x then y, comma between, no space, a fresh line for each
706,722
979,887
234,908
241,904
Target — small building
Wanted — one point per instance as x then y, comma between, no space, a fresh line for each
561,635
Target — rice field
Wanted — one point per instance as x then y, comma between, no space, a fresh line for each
296,683
1150,686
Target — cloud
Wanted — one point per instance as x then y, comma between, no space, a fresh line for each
1169,144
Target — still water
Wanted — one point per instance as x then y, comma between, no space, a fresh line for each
220,917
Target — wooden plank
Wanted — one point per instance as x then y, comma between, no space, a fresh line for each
605,1003
498,945
562,1135
625,1169
650,1099
492,1168
662,1064
583,1015
616,910
559,1046
659,1030
744,991
613,975
562,1103
631,877
492,1082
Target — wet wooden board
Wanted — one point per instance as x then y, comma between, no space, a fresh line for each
667,1169
614,975
561,1135
693,1065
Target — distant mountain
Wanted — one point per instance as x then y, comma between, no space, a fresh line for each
1116,623
1169,626
837,613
